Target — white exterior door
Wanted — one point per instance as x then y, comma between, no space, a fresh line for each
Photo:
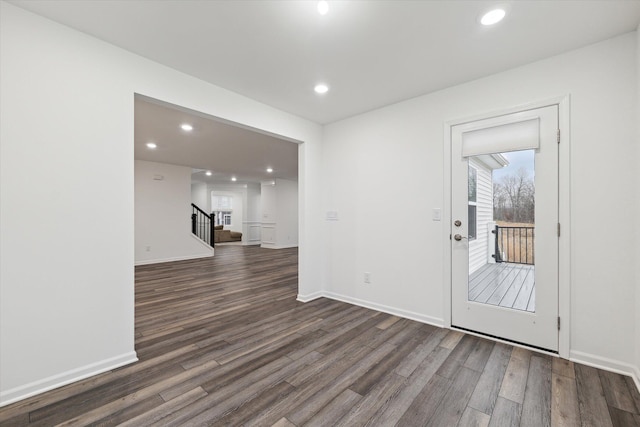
534,323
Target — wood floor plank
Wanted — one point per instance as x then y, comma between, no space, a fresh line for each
616,392
156,414
506,413
479,355
321,397
486,392
633,390
426,403
377,398
455,401
563,367
394,408
515,378
474,418
536,409
591,399
564,401
335,410
620,418
223,341
458,356
411,362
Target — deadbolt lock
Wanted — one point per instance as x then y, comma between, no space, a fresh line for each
457,223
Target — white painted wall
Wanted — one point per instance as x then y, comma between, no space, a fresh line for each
268,209
637,260
251,234
287,213
66,276
365,157
200,196
163,215
279,206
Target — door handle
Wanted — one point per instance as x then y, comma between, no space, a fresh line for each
458,237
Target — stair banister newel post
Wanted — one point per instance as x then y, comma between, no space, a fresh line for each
194,222
212,223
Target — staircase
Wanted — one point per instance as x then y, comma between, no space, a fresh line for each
202,225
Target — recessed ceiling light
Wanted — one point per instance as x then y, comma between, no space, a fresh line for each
151,145
323,7
186,126
208,173
269,170
233,178
321,88
492,17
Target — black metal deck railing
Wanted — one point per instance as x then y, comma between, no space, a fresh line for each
514,244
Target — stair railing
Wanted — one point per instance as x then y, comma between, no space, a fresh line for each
202,224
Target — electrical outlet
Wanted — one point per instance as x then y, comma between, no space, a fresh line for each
367,277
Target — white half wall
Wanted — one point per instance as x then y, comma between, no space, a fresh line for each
66,143
367,156
163,215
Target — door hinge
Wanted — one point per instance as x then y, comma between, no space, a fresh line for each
558,322
558,136
558,229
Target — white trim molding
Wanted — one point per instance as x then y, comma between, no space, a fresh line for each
172,259
267,245
607,364
309,297
374,306
64,378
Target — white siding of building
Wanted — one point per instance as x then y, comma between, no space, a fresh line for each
484,215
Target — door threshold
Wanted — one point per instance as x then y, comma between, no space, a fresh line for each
506,341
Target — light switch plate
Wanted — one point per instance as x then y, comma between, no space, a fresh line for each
332,216
436,215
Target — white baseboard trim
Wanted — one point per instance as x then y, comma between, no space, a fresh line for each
374,306
636,377
606,364
22,392
172,259
272,246
309,297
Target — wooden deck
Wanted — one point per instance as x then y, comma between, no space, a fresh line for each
504,284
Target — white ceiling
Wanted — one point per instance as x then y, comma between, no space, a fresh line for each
224,149
370,53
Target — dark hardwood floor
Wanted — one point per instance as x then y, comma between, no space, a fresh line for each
223,341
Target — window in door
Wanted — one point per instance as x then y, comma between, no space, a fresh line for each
473,203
